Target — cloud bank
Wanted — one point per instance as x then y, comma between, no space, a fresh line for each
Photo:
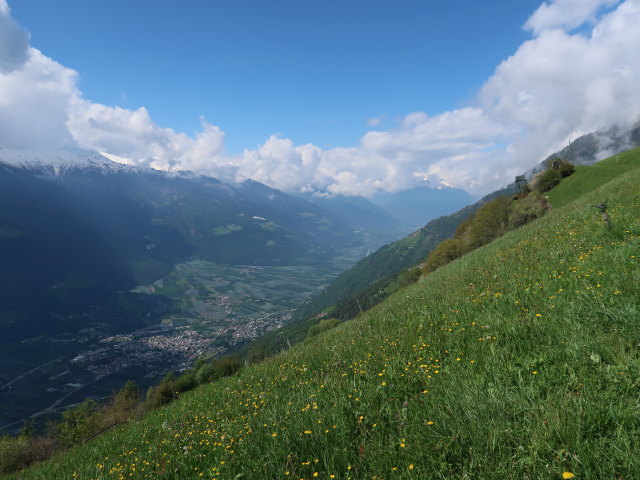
557,85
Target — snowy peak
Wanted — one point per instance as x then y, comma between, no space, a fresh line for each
57,162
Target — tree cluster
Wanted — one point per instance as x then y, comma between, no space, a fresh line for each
492,220
557,169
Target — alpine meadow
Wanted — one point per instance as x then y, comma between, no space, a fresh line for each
518,360
320,240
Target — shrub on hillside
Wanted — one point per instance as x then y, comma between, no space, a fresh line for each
566,169
12,453
79,423
19,452
160,394
446,251
547,180
323,326
227,365
490,221
563,167
526,210
222,367
122,407
409,276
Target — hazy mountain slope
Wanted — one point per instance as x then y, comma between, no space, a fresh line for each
518,360
75,228
591,148
318,225
392,258
54,261
356,211
419,205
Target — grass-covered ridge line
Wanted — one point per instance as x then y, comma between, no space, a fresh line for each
591,177
517,360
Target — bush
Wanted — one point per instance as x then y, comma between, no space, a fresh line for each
566,169
409,277
526,210
223,367
226,366
547,180
563,167
160,394
12,453
206,373
492,220
184,383
79,423
122,407
446,251
323,326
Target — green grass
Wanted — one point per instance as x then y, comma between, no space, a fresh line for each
519,360
586,179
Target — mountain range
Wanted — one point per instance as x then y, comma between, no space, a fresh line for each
76,228
516,360
78,231
374,277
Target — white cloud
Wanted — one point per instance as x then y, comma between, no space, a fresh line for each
560,85
555,86
566,14
132,134
34,103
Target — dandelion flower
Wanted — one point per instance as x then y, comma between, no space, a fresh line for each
567,475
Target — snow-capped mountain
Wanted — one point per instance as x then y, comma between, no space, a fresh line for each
74,217
59,161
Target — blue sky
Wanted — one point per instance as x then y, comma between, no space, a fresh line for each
338,97
313,71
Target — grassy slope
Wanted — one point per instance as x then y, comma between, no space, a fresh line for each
389,260
589,178
519,360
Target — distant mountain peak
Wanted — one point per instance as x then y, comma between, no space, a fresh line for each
57,162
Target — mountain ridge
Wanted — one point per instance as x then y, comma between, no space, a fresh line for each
482,369
390,260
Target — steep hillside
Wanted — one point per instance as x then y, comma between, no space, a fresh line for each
518,360
589,178
392,259
378,272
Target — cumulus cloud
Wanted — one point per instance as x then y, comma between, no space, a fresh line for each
566,14
555,86
132,134
560,85
34,103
